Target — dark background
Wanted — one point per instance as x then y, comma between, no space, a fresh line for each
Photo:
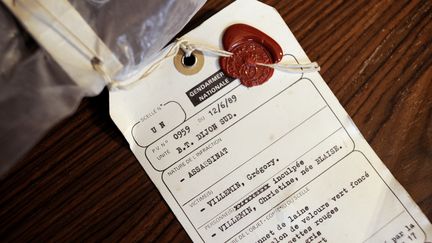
82,183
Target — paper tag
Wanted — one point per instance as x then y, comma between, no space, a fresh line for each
280,162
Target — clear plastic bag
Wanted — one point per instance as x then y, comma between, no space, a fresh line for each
148,27
36,92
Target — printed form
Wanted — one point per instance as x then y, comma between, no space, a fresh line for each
280,162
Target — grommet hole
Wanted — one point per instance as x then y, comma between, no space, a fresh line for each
189,65
189,61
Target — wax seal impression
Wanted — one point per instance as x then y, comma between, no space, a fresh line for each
249,46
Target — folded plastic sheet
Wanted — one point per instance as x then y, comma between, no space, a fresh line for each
36,93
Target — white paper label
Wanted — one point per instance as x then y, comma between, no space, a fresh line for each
281,162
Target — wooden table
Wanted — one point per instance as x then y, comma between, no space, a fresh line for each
81,182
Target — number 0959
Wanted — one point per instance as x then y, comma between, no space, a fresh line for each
181,133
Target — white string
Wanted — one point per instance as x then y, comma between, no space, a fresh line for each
174,48
186,46
293,68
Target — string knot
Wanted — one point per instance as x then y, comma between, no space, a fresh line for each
188,48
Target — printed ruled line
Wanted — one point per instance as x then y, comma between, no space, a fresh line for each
385,225
311,116
274,176
292,194
269,180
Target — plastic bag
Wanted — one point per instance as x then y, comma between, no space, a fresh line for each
150,26
36,92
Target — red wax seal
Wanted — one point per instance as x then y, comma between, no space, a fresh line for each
249,46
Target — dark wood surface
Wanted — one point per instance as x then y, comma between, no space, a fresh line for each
82,183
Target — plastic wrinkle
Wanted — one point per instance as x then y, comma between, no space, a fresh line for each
36,93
